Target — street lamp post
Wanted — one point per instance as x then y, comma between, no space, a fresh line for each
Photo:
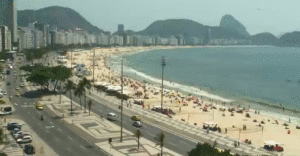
121,101
163,63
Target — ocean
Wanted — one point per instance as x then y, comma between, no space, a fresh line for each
264,78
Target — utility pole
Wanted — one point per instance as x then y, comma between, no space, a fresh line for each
121,101
162,82
71,89
94,68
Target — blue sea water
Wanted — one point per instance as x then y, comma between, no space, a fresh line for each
256,76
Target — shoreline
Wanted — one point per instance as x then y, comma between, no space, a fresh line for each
258,105
191,113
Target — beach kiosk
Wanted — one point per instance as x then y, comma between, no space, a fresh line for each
211,125
271,145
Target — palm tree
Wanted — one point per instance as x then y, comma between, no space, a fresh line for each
138,134
160,140
79,92
87,86
90,103
69,87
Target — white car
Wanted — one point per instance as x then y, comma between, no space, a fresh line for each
19,133
25,139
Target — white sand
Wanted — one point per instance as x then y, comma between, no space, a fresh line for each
254,133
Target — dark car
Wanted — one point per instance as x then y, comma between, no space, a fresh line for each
11,126
8,83
137,124
29,149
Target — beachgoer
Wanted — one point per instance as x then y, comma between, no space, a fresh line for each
258,112
207,130
225,130
238,143
255,112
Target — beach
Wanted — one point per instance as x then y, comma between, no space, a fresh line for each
186,110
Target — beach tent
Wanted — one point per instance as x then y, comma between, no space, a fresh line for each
271,142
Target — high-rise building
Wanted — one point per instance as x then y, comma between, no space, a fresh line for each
8,17
120,27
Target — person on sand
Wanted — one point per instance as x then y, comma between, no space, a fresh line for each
225,130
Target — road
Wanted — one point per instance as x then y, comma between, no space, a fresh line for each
59,137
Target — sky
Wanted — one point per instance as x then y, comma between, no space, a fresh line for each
274,16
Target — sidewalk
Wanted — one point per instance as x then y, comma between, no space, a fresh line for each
102,129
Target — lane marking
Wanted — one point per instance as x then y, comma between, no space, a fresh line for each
59,130
56,139
70,137
82,147
172,144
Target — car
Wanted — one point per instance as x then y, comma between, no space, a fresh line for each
4,93
2,101
8,83
22,135
136,118
21,85
39,106
15,130
15,135
1,95
29,149
137,124
17,88
24,139
11,127
17,94
111,116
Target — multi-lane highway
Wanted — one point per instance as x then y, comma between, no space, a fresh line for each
59,137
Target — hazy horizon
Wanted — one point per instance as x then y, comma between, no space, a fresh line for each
275,17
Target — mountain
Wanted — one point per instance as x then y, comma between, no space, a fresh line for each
290,39
229,28
264,39
61,17
233,28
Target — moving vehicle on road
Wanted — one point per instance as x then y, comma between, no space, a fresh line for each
8,83
136,118
21,85
137,124
112,116
17,88
29,149
39,106
17,94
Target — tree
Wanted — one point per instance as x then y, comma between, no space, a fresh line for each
160,140
60,73
138,134
206,149
90,103
86,84
40,76
79,90
69,87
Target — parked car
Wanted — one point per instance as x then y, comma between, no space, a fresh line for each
29,149
21,85
12,126
137,124
8,83
25,139
22,135
15,130
136,118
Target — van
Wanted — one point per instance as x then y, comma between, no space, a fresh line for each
111,116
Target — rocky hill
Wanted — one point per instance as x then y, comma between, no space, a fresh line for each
264,39
229,28
61,17
290,39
